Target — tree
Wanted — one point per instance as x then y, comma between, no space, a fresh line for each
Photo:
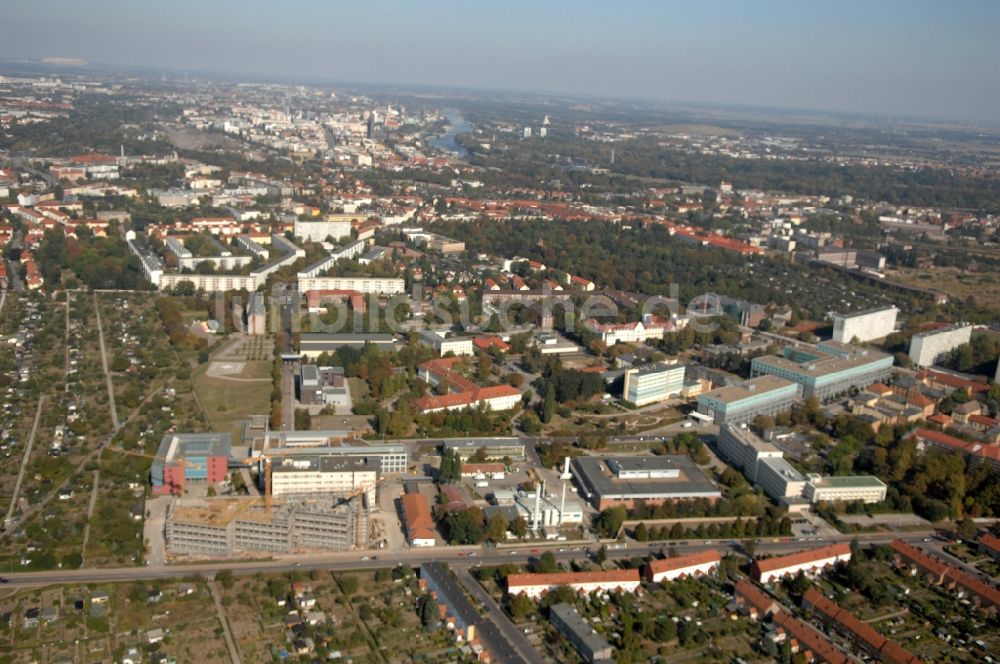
451,467
464,526
496,528
601,556
303,419
666,630
641,533
609,522
519,527
549,404
225,577
349,585
547,563
428,609
520,606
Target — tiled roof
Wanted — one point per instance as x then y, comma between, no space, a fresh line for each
680,562
572,578
803,557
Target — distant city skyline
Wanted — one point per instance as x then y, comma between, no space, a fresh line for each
917,58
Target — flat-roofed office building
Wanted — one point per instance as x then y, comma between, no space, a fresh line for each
763,395
829,371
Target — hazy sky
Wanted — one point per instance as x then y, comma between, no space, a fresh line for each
914,57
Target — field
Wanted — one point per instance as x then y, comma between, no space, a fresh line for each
957,284
232,385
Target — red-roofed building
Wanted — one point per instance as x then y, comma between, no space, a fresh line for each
978,452
418,520
628,333
536,585
947,381
939,573
754,602
808,562
494,470
811,643
671,569
485,342
463,393
860,632
881,389
990,544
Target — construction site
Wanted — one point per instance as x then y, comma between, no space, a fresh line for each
228,527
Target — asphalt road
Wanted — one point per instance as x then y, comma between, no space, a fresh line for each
514,637
470,556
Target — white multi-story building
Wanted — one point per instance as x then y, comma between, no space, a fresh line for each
928,348
629,333
866,488
779,480
382,286
653,382
210,283
444,345
764,465
864,325
745,450
319,231
307,476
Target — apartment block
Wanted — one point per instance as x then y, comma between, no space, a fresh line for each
929,348
864,325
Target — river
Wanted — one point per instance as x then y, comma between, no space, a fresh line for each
457,124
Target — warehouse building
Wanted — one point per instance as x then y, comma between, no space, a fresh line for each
609,481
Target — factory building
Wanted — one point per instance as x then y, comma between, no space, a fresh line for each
609,481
